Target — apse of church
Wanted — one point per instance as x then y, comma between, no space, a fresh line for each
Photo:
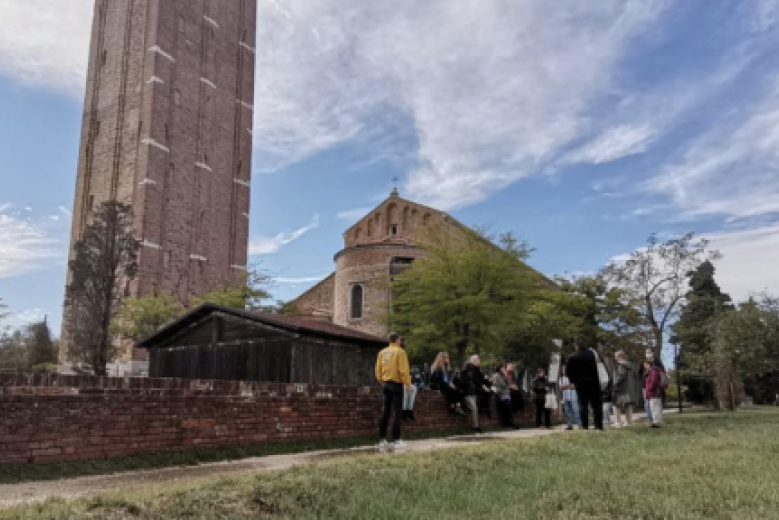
378,247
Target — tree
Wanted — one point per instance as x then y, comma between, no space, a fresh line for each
704,302
745,347
103,265
246,291
41,350
608,316
466,294
139,318
653,280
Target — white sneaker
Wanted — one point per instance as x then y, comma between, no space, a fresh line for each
382,447
399,445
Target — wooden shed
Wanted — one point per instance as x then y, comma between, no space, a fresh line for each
214,342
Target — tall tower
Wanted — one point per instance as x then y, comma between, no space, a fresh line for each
167,128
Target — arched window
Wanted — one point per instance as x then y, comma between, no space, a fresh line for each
355,311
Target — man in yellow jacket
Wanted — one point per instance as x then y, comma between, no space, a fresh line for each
392,373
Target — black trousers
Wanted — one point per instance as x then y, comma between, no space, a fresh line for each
590,395
517,401
542,412
505,412
393,406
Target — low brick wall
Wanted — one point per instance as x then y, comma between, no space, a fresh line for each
51,418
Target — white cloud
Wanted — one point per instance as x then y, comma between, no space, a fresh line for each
749,260
353,215
45,43
26,245
614,143
65,211
301,280
732,170
18,319
486,109
264,245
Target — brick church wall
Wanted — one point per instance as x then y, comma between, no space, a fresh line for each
65,418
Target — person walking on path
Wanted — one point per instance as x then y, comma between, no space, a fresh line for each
570,401
625,385
471,384
582,370
393,373
500,385
653,386
409,393
540,384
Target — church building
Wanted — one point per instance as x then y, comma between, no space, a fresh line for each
381,245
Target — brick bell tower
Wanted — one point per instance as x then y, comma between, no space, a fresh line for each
167,128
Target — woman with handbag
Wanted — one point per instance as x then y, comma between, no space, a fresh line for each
540,384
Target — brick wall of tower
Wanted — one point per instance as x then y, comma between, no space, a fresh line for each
167,128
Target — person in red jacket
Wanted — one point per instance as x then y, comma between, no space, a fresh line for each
654,393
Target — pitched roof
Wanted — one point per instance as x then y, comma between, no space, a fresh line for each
289,323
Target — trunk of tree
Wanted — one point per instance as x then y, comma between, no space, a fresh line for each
658,348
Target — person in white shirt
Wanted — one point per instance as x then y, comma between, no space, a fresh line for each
570,401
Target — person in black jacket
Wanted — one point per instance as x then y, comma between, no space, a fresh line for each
540,384
582,370
471,383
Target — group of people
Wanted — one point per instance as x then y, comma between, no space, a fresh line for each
469,391
583,389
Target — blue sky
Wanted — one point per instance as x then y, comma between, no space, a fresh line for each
582,126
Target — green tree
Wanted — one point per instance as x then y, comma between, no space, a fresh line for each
705,301
41,351
653,280
139,318
464,296
246,291
103,265
608,316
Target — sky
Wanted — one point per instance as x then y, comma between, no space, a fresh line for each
581,126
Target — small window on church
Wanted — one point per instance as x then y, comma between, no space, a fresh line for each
355,311
393,231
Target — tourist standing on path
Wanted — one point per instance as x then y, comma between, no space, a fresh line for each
606,397
409,392
471,383
540,384
646,367
570,401
517,400
625,386
582,368
500,385
441,379
393,373
654,393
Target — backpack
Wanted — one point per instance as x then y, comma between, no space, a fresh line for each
664,381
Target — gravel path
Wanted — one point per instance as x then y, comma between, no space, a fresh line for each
15,494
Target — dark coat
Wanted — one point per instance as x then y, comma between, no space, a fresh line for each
582,368
539,389
470,380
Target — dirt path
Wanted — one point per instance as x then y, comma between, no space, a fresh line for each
15,494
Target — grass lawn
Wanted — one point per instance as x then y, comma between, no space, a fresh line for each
698,466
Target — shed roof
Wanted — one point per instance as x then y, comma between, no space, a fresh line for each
290,323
